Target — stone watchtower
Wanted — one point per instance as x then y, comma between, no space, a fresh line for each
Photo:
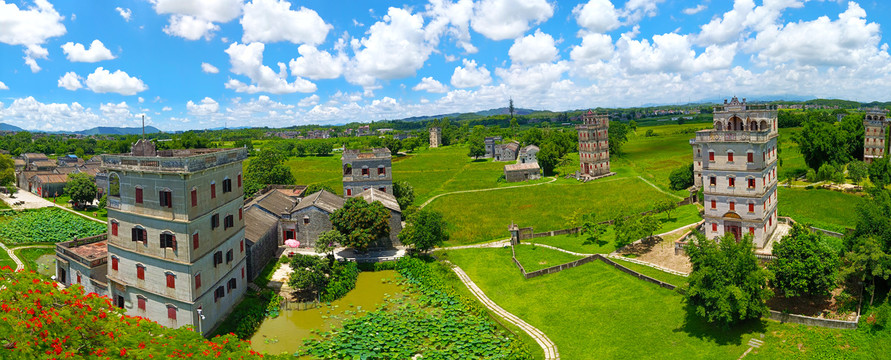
594,144
363,170
874,124
736,165
176,249
435,137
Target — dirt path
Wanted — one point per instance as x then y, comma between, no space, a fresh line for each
660,190
19,265
479,190
550,349
491,244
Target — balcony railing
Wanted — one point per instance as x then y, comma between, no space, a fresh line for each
173,162
733,136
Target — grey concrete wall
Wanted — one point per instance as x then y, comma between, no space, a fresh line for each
319,222
261,251
812,321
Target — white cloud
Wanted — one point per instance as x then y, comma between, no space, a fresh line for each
470,75
31,26
194,19
70,81
29,113
76,52
125,13
116,112
429,84
594,47
315,64
395,48
695,10
103,81
206,107
141,100
848,41
635,10
3,86
452,19
533,78
597,16
208,68
32,53
728,27
261,111
247,60
166,108
273,20
312,100
508,19
190,27
533,49
672,53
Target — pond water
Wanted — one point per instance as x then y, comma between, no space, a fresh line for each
286,332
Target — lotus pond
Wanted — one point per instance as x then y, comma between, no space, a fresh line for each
46,225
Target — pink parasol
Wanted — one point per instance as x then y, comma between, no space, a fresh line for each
292,243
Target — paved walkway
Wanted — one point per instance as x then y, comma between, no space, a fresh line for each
33,201
660,190
18,263
491,244
479,190
550,350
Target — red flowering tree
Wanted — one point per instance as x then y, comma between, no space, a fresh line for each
40,321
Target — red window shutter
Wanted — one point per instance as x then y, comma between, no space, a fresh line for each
711,156
213,191
732,206
194,197
715,227
714,204
751,207
242,273
139,195
140,303
114,228
752,230
78,278
174,241
349,192
144,236
197,281
240,213
241,244
114,264
171,313
140,272
285,234
195,240
750,157
730,157
171,281
239,180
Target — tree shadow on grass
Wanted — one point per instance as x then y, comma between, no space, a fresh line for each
479,160
698,327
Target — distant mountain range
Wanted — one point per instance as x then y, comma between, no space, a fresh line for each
7,127
108,130
490,112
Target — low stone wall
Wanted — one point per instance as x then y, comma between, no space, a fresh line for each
558,268
636,274
812,321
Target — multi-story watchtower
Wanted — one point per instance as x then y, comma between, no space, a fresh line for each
363,170
874,135
435,137
736,163
594,144
176,250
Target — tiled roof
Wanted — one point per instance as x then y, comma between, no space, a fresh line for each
321,199
517,167
276,202
389,202
256,223
52,178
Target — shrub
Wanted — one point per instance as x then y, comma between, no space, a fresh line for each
343,279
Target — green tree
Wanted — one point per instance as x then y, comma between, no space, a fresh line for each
477,147
80,188
393,144
821,142
103,202
681,178
312,277
867,261
7,173
328,241
548,158
592,230
632,125
880,173
361,222
803,265
857,171
266,168
648,225
424,230
411,143
666,206
404,193
727,285
618,135
314,188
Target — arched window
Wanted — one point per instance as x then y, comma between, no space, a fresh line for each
114,185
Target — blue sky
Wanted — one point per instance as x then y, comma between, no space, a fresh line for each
194,64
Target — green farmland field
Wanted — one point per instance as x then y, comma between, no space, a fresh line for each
830,210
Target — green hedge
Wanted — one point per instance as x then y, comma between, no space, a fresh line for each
343,279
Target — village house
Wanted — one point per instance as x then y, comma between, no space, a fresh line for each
389,201
594,144
84,262
491,143
522,172
261,240
739,186
48,185
311,217
364,170
874,124
507,152
528,154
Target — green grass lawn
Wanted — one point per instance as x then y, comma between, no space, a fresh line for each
654,158
4,205
595,306
826,209
536,258
660,275
546,207
5,260
30,257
